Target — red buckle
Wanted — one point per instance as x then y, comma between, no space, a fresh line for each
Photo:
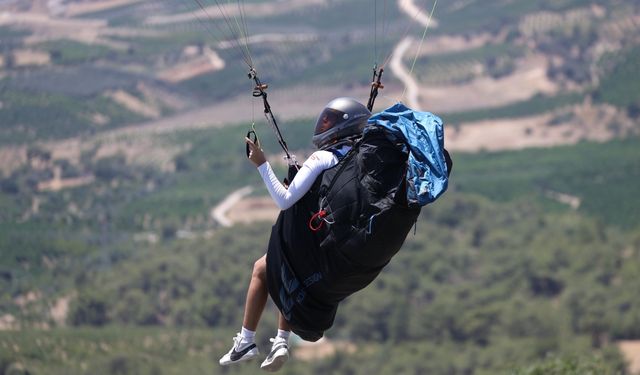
318,215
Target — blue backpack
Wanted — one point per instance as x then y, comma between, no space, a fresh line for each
422,135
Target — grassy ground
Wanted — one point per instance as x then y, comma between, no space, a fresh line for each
166,351
619,85
604,176
537,105
29,116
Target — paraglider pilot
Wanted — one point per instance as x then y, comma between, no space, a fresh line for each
339,125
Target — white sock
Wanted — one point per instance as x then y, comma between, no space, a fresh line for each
247,335
284,334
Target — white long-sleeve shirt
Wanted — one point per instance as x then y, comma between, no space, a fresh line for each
310,170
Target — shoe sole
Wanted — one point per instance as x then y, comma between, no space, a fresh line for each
245,358
277,362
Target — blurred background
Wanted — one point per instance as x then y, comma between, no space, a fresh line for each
130,219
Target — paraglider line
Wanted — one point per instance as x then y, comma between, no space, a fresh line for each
424,34
260,91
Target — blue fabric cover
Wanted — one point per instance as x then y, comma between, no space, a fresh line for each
423,134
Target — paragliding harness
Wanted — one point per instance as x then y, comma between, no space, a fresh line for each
399,162
364,208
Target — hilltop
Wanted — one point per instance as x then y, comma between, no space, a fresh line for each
108,64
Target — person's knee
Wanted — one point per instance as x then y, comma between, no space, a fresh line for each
260,269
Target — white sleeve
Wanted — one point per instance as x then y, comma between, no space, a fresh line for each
310,170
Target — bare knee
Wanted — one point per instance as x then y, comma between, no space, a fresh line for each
260,269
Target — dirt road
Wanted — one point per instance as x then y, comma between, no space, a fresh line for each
231,11
631,351
219,212
418,14
412,90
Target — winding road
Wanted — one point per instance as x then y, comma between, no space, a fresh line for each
219,212
412,89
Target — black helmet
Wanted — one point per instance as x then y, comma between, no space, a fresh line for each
341,119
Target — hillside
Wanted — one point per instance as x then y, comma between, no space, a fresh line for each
121,127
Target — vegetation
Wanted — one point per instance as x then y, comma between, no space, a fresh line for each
618,84
129,350
536,105
66,52
566,366
349,16
343,54
496,60
10,38
529,283
488,284
591,172
116,350
476,16
31,116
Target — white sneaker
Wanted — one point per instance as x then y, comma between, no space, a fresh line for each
278,355
240,351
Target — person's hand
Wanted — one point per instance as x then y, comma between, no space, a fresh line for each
256,155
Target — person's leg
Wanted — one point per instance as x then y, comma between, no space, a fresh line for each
257,295
282,323
244,346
